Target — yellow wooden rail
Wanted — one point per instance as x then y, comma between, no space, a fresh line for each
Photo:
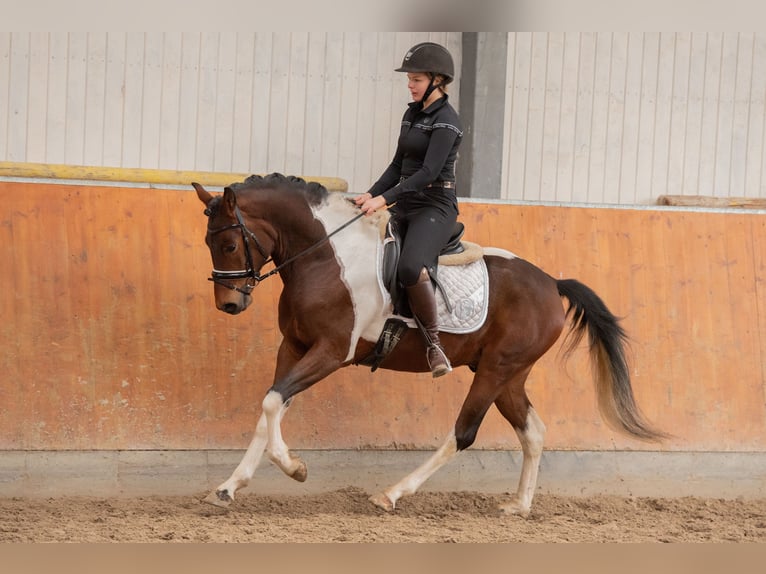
711,201
139,175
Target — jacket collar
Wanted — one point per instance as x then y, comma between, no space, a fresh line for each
438,104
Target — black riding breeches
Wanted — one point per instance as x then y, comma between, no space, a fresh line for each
426,227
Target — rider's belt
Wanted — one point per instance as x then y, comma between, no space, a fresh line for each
442,184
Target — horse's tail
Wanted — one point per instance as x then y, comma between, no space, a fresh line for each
606,340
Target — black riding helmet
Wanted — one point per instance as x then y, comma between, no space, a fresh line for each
429,57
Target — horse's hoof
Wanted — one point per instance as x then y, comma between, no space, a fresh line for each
382,501
301,473
515,508
220,498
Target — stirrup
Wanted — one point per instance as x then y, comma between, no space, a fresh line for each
439,369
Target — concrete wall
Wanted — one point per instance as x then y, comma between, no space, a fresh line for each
110,339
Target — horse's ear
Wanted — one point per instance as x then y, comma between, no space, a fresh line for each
204,195
229,200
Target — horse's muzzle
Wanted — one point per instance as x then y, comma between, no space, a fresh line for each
231,308
234,307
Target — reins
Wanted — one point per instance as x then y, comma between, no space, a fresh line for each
219,277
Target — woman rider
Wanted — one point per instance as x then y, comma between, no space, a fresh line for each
420,180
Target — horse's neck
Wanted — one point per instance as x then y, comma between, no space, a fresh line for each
300,226
290,218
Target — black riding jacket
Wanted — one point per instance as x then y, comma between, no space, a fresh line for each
425,153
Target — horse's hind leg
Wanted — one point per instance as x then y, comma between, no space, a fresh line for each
514,405
410,483
480,397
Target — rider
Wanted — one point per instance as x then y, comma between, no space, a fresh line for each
421,181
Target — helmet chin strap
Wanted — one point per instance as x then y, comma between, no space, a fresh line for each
429,90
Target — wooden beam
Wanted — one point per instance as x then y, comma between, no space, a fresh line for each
139,175
710,201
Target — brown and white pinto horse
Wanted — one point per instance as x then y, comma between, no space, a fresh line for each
331,312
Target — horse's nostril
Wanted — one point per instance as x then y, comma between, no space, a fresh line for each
230,308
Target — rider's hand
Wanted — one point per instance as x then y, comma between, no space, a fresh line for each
360,199
371,205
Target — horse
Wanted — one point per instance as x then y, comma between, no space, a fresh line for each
331,312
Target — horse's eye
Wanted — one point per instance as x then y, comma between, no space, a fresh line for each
230,248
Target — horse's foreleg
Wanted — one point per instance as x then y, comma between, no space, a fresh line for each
274,408
224,494
531,439
294,374
410,483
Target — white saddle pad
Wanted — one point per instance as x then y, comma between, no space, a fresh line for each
467,288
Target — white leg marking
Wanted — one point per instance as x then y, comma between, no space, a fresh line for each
240,478
532,448
274,408
246,468
410,483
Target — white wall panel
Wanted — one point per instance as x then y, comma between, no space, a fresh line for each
693,111
5,89
38,98
188,105
313,121
626,117
350,101
297,96
133,90
18,97
207,93
151,101
590,117
517,114
647,115
330,98
170,98
584,66
76,84
95,97
308,103
317,104
755,156
114,101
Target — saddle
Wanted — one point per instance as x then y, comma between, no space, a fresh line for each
455,252
392,248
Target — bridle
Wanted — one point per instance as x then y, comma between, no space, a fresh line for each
249,272
222,277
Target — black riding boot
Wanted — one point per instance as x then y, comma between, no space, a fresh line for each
422,301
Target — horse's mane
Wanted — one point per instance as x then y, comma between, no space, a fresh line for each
314,192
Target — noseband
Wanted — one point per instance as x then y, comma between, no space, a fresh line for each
223,277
